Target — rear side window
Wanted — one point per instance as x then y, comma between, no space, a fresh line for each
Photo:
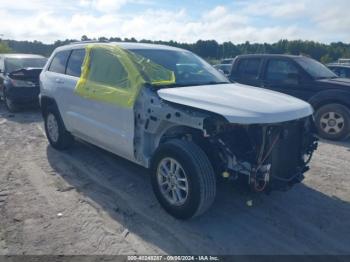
249,68
75,62
58,63
280,70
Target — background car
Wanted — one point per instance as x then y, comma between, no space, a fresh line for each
225,66
19,79
304,78
342,70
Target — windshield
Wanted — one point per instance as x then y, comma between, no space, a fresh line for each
13,64
315,69
188,68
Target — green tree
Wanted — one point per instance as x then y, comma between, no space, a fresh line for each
4,48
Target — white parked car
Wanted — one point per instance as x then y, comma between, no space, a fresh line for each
166,109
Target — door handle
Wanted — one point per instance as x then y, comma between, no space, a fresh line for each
59,81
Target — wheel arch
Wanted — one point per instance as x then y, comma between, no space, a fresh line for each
330,97
46,102
49,102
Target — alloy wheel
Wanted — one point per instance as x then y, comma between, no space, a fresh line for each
172,181
332,123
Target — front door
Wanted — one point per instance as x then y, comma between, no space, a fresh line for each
283,75
108,125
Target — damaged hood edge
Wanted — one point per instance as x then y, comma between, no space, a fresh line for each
240,104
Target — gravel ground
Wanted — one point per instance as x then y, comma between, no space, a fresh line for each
87,201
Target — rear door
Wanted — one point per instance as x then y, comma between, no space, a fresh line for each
246,71
69,102
54,80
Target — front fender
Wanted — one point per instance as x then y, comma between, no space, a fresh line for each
330,96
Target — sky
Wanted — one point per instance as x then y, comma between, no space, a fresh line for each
237,21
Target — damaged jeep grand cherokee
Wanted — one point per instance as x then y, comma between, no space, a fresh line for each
168,110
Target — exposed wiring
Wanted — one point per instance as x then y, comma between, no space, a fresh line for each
256,188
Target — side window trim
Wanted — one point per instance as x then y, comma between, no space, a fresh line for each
68,60
65,68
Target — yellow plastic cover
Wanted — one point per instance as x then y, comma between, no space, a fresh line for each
113,75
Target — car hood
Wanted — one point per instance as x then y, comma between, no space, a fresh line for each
338,82
239,103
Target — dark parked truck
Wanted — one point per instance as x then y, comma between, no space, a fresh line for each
306,79
19,79
168,110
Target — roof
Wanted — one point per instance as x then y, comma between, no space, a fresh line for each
269,55
21,56
125,45
339,65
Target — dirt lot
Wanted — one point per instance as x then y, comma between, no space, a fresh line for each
87,201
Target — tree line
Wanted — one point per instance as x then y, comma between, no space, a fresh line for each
208,49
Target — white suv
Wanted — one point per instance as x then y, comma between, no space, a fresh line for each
168,110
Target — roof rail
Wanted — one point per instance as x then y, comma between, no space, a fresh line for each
89,41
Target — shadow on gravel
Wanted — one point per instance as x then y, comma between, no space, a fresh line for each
24,115
300,221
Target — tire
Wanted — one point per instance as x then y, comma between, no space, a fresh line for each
9,104
196,168
56,133
333,122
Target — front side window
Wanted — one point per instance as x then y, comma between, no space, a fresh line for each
249,68
14,64
106,69
314,68
58,64
75,62
281,70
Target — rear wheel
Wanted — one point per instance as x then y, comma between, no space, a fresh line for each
333,121
183,179
56,133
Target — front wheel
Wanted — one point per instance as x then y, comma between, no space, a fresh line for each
183,179
333,121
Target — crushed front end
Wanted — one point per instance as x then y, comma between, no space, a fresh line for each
269,157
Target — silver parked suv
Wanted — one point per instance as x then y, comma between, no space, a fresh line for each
168,110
